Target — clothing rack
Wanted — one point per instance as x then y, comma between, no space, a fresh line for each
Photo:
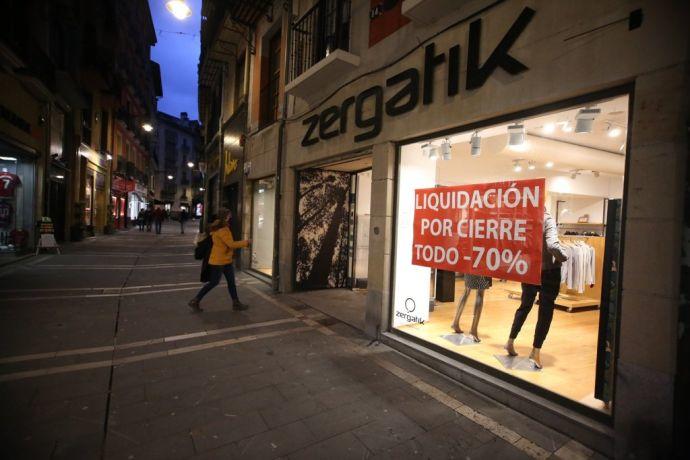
591,297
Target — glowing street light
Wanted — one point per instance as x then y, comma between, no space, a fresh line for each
148,127
190,164
170,176
179,9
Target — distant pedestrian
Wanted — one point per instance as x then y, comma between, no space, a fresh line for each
140,219
148,217
158,217
183,218
220,261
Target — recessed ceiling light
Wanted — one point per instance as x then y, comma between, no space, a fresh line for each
531,166
614,132
520,148
549,164
517,167
549,128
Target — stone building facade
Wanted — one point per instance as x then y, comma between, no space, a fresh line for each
392,100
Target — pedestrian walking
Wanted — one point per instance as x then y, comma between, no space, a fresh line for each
148,217
183,218
220,261
158,216
140,219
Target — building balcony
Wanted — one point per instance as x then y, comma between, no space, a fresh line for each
429,11
320,48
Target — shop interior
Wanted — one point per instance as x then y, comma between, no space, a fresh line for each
581,154
16,200
263,218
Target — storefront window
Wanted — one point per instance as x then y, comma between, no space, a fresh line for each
263,217
16,200
89,213
470,257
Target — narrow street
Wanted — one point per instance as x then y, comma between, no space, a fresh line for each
105,360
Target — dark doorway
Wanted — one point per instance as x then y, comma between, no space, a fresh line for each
56,207
322,229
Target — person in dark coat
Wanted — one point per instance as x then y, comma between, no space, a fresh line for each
158,217
148,217
140,219
184,215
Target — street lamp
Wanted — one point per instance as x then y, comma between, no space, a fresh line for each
190,164
148,127
170,176
179,9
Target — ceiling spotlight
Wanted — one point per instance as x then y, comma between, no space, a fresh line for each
574,173
531,166
517,167
190,164
549,128
596,173
516,134
567,127
585,119
446,150
433,152
201,189
549,164
476,145
613,131
426,148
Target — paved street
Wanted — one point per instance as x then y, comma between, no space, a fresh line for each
101,358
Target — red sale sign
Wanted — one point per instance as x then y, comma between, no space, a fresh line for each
492,229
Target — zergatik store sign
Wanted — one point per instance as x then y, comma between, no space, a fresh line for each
334,120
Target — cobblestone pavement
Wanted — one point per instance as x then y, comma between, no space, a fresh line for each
101,358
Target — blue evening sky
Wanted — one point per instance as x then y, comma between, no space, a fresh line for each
178,56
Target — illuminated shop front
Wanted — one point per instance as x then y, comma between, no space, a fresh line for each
469,221
17,185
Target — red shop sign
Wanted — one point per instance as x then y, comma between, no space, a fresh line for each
122,185
492,229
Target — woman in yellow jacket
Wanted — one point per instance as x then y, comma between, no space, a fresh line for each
220,261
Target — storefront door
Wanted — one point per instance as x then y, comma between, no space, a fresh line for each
56,207
322,226
360,229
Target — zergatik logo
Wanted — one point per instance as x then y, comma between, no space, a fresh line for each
410,305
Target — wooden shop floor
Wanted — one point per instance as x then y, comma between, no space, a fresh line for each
568,355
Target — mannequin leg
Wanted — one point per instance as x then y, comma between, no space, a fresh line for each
461,306
529,293
547,299
478,306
